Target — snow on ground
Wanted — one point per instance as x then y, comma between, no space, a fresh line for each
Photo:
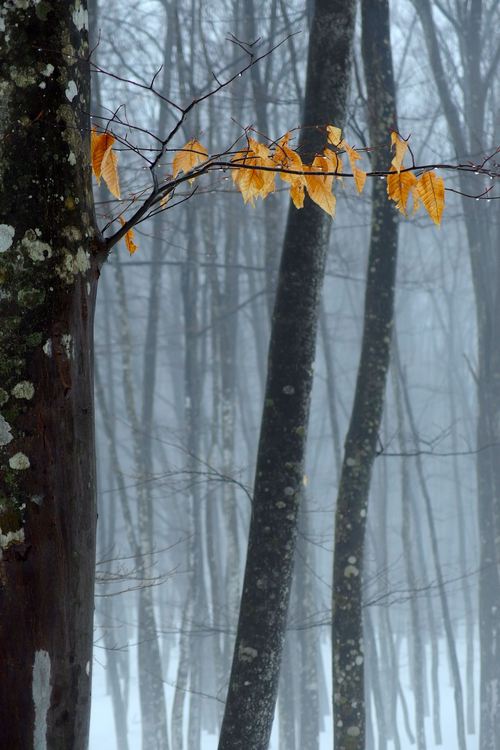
102,733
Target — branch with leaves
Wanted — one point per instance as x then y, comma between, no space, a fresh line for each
254,170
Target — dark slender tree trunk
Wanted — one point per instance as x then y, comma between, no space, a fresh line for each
360,445
48,278
280,464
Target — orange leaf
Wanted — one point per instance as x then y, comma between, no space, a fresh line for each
100,143
334,163
253,183
359,179
351,153
109,171
430,189
320,188
334,135
129,238
399,185
400,147
286,158
192,154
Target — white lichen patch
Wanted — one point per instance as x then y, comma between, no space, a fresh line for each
4,397
67,345
247,653
48,70
47,348
80,17
5,431
350,570
6,237
11,537
37,499
24,389
353,731
36,249
71,91
40,689
73,265
72,158
19,462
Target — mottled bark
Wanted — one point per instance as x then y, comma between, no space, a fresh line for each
48,274
360,445
280,463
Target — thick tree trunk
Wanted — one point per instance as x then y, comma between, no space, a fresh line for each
280,464
360,445
48,275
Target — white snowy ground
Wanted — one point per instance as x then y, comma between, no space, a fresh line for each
102,734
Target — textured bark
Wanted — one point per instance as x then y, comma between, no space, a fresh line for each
280,464
48,273
360,445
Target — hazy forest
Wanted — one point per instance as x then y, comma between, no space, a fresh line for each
314,398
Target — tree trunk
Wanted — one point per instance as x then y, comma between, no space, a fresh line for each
280,464
49,261
360,446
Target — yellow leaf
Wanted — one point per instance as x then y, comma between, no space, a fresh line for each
359,174
359,179
100,143
192,154
400,147
129,238
334,135
320,188
109,171
334,163
297,194
399,185
253,183
430,189
351,153
287,158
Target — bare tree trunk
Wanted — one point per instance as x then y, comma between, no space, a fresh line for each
280,463
360,445
450,640
49,262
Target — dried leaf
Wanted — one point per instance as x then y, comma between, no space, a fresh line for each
400,146
192,154
254,183
430,189
100,144
359,179
334,135
320,188
399,186
109,172
287,158
129,238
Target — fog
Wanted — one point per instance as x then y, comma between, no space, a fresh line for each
182,331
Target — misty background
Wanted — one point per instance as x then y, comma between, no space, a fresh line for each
181,344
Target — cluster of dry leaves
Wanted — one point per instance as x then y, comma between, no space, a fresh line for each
254,171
